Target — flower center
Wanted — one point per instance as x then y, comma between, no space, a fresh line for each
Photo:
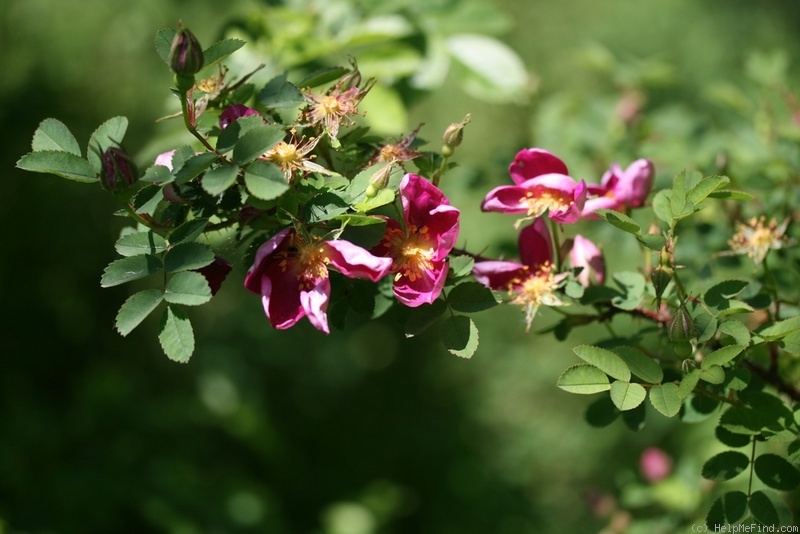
540,200
284,153
534,291
329,105
308,261
413,251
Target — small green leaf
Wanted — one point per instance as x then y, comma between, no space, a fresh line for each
187,256
627,396
707,185
176,335
665,399
620,220
53,134
776,472
140,243
640,364
164,39
157,174
460,336
265,180
632,285
219,179
323,76
688,383
278,94
108,134
725,465
574,290
470,297
255,142
726,437
718,295
188,288
234,131
601,412
461,265
661,206
779,329
769,509
147,198
60,163
136,308
128,269
745,420
605,360
791,343
194,166
188,231
421,317
721,356
727,510
713,375
737,330
678,195
652,241
583,379
325,206
220,50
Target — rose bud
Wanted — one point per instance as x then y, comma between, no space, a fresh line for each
185,53
118,172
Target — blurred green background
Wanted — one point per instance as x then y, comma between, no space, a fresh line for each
362,431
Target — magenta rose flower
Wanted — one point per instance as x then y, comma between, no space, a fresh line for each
420,247
531,283
585,254
233,112
290,273
620,190
542,185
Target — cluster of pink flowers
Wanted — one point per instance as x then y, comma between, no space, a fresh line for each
291,269
543,189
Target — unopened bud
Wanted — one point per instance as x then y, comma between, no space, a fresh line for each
453,135
682,326
661,277
378,181
185,53
118,172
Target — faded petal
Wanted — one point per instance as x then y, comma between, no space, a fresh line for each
532,162
356,262
165,159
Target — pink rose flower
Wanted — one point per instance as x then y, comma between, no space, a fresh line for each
620,190
655,464
585,254
532,282
541,185
291,275
233,112
419,249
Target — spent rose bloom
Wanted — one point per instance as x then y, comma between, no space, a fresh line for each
620,190
585,254
419,248
290,272
541,185
532,282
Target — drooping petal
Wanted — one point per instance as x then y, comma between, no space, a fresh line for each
532,162
315,304
585,254
252,280
443,225
355,262
499,274
536,245
281,301
422,288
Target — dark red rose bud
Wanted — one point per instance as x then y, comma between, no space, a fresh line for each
215,273
118,170
185,53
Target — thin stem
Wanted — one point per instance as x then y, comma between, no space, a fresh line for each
187,121
554,229
438,174
752,459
